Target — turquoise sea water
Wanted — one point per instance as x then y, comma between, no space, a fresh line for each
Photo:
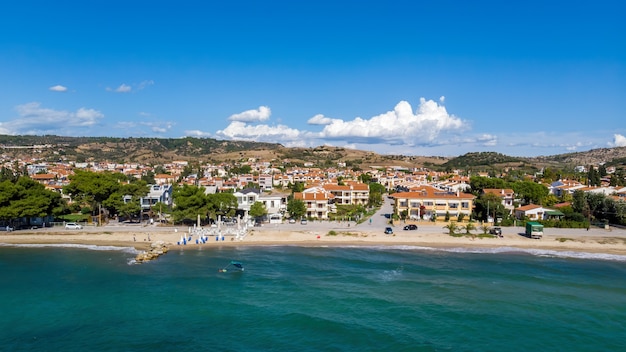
311,299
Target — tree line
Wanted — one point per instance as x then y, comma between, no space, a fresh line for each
584,208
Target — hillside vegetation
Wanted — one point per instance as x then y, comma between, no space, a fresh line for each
154,151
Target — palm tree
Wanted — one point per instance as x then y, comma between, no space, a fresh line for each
469,227
452,228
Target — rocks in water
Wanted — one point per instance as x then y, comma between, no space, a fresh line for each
156,249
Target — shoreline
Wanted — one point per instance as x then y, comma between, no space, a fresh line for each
597,241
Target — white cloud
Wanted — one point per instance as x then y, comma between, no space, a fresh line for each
618,141
399,126
320,119
260,133
197,134
33,119
158,127
487,139
123,88
442,99
261,114
145,84
58,88
127,88
142,128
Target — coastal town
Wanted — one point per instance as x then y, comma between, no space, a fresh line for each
418,194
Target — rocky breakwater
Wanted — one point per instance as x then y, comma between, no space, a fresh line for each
156,250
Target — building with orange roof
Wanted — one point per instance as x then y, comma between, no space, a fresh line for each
507,196
350,193
425,202
163,179
44,179
317,202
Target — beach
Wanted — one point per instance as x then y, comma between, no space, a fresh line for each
595,240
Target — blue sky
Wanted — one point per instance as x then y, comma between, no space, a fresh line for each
395,77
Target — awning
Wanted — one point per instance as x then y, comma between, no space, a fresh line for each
554,213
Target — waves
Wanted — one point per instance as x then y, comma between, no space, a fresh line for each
469,250
130,250
502,250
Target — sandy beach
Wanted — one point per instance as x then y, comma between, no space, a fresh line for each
595,240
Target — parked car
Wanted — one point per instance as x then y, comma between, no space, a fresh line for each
410,227
303,221
496,231
73,226
292,221
6,228
388,230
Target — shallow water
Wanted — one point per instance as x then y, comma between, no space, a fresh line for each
311,299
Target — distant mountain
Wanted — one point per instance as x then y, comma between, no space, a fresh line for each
609,156
154,151
481,159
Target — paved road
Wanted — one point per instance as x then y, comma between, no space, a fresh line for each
377,224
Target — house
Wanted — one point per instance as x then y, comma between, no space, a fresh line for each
425,202
157,194
317,202
44,179
245,198
266,182
275,204
350,193
537,212
507,196
161,179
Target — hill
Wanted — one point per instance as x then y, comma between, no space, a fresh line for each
154,151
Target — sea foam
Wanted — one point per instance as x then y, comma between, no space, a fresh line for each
130,250
500,250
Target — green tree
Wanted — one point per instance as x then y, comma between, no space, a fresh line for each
224,204
130,208
376,194
93,188
488,204
258,210
365,178
190,201
530,192
452,228
550,200
7,174
148,178
160,169
296,208
469,227
479,183
579,201
297,187
593,176
26,198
